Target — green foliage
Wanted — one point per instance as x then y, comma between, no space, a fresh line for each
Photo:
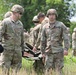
32,7
72,26
27,63
69,59
3,8
54,1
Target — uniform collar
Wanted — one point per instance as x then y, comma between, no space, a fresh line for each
16,22
52,25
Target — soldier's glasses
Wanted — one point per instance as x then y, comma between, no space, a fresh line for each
20,13
35,21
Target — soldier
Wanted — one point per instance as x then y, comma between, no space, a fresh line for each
8,14
74,42
34,32
38,64
12,40
52,36
35,29
43,20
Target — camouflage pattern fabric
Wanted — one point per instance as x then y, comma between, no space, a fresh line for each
74,40
35,33
52,37
26,37
54,61
12,39
31,36
74,43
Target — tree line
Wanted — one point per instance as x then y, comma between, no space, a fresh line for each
32,7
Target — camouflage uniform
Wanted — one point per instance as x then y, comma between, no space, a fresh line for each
39,65
51,44
74,42
12,40
35,30
35,33
8,14
31,36
26,37
69,35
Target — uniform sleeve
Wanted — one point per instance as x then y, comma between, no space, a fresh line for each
43,41
73,36
36,36
65,37
22,39
38,39
3,29
33,35
73,40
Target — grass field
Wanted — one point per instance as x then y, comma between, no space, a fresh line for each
69,66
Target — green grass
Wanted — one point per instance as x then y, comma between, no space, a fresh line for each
69,66
27,63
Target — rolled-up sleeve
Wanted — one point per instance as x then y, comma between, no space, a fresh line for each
65,37
2,29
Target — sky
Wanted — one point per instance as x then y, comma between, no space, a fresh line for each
74,17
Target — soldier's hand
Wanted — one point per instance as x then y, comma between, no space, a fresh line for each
65,52
43,59
34,49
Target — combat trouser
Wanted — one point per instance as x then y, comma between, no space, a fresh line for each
54,62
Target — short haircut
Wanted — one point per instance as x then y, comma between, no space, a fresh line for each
40,14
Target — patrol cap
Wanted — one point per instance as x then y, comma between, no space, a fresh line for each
17,8
8,14
74,30
1,49
35,19
52,11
